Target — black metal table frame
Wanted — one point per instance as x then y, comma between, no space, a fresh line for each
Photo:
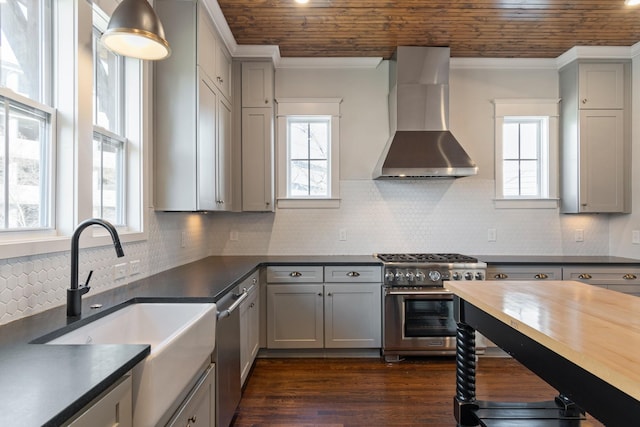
599,398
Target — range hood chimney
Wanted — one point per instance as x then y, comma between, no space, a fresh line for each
421,145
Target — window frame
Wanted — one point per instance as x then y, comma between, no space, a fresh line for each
312,108
519,109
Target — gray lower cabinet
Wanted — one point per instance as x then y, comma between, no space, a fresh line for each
305,312
249,326
198,409
112,408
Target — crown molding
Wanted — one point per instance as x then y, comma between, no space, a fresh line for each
329,63
503,63
593,52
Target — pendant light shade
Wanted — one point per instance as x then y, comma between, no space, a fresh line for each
135,30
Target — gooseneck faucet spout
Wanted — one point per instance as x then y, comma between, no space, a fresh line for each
75,292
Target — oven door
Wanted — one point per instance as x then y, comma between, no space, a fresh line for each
418,322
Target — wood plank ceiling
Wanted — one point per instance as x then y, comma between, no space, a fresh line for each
472,28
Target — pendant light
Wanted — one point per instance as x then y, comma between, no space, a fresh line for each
135,30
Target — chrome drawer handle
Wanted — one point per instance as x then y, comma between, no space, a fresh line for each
584,276
353,274
500,276
295,274
629,276
541,276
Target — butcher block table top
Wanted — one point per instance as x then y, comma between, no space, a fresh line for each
596,329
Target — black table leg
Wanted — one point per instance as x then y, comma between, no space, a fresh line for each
464,402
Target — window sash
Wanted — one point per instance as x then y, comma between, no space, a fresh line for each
109,176
524,168
308,169
17,186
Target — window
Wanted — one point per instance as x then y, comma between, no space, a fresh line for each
308,152
109,143
526,153
27,122
308,145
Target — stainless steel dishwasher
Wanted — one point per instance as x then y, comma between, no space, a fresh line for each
228,390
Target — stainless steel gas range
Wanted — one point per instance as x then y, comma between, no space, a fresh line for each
417,309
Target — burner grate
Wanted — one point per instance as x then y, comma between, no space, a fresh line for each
426,258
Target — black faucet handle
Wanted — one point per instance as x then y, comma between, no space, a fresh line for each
86,284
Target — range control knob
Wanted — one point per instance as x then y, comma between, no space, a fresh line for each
434,275
420,276
468,275
410,276
479,275
399,276
389,276
456,275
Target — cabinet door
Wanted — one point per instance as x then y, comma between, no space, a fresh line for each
223,165
534,272
352,314
257,159
601,86
112,408
257,84
249,330
198,409
207,45
601,161
294,316
223,70
206,153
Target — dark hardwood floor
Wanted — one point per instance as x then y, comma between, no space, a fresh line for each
369,392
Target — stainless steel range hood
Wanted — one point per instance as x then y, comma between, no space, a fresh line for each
421,145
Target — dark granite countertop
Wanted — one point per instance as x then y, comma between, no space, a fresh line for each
555,260
46,384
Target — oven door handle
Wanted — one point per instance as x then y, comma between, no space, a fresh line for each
443,292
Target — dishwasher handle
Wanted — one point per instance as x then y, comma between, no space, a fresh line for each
226,313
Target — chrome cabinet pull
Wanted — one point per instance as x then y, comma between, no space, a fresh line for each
584,101
353,274
319,294
329,294
254,280
500,276
584,276
541,276
629,276
295,274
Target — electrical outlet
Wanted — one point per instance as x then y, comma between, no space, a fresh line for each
233,235
183,239
579,235
492,235
120,271
134,267
342,234
635,237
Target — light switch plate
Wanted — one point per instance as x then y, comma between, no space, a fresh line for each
635,237
579,235
492,235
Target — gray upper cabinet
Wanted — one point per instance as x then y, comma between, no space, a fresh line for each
595,137
192,144
257,137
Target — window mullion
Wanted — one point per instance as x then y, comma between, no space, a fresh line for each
7,110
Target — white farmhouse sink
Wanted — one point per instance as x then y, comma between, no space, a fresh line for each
181,336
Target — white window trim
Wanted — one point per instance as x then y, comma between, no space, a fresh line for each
528,107
308,107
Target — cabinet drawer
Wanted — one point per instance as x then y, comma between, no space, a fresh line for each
536,272
353,273
618,276
295,274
